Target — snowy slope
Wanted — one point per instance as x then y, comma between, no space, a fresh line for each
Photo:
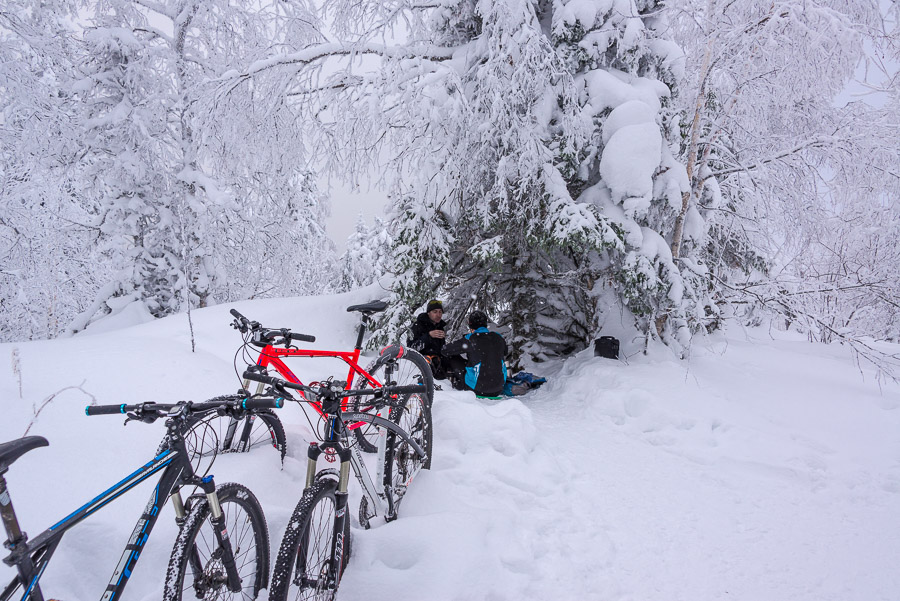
762,469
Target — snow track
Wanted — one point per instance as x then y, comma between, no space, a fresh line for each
648,482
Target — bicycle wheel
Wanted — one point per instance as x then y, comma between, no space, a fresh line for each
223,434
196,570
410,368
401,462
303,563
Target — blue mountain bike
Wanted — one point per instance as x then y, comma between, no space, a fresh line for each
222,548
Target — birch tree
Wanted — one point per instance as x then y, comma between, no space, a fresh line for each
788,177
150,190
45,276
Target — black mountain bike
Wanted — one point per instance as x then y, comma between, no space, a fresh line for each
222,548
316,545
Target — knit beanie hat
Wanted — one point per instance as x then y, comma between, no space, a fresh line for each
477,319
434,304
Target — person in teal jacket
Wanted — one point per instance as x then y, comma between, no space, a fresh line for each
484,368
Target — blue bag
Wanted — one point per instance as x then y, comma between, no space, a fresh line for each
521,383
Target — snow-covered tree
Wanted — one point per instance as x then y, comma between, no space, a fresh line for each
493,116
365,260
146,186
45,275
627,73
167,177
498,183
788,177
556,173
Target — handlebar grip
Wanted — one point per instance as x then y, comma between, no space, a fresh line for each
235,313
107,409
263,403
257,377
301,337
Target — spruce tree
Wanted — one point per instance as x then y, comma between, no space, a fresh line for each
556,183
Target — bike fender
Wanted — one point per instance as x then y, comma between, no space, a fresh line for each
384,423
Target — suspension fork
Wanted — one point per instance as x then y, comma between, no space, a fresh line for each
341,499
217,518
181,513
332,440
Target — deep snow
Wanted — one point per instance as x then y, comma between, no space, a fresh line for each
764,468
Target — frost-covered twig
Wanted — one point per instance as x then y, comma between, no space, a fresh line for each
17,369
887,364
49,399
815,143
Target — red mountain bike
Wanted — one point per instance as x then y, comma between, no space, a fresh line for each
275,344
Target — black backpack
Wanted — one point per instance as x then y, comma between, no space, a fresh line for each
606,346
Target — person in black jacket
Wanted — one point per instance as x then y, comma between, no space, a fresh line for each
428,336
484,368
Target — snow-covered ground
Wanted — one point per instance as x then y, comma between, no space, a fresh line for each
762,469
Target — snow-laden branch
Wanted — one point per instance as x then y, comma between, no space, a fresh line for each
155,32
887,364
815,143
346,82
332,49
156,7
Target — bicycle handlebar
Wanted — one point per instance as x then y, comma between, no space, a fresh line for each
162,408
278,382
300,337
245,403
268,336
390,390
108,409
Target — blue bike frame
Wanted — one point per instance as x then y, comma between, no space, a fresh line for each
31,557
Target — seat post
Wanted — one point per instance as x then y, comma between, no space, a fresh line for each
10,522
362,330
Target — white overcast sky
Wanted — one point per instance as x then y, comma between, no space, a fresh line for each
346,204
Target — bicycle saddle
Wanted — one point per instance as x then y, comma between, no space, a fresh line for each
375,306
12,450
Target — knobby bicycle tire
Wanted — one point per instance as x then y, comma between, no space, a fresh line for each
410,368
401,462
208,435
304,556
195,569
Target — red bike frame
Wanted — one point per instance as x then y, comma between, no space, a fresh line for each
271,356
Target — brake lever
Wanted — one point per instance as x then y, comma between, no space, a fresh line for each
139,417
279,390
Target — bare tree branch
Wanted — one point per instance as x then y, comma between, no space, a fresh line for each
49,399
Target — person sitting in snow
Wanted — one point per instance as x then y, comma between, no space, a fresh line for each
428,337
484,368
